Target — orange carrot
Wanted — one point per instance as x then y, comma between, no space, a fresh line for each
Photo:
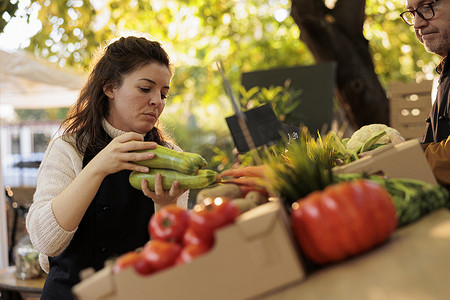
252,171
251,181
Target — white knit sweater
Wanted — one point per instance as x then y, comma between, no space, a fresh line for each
61,164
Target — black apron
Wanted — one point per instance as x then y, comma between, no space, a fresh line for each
115,222
438,122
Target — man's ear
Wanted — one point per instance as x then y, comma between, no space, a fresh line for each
108,89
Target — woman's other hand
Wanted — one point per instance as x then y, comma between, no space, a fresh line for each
160,196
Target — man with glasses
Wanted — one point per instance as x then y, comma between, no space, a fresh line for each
431,21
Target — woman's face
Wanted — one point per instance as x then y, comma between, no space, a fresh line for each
137,104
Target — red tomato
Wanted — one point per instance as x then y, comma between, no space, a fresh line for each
125,260
190,237
169,223
142,266
215,213
161,254
189,252
345,219
132,259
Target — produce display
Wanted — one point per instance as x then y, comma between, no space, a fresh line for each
332,216
325,208
178,236
184,167
327,217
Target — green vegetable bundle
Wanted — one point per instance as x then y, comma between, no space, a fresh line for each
184,167
412,198
367,138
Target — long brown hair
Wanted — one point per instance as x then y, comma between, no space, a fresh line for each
113,62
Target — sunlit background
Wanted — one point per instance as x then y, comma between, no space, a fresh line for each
246,35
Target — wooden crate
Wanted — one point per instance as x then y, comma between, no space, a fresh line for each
410,105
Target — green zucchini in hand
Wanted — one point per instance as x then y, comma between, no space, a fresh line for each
165,158
203,178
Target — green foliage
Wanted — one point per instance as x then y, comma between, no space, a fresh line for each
245,35
397,54
7,11
305,166
282,99
42,114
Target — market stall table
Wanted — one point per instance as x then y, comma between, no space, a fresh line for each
12,286
413,264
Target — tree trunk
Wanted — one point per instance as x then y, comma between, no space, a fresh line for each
337,35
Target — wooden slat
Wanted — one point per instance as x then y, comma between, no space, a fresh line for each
397,116
401,88
411,131
422,101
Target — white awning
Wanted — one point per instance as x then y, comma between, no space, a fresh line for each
26,82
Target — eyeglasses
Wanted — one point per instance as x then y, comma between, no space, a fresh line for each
425,11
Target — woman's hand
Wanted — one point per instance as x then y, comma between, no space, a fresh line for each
70,206
116,156
160,196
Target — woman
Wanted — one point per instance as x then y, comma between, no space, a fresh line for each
84,210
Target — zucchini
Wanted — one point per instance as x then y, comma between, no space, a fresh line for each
202,179
165,158
196,158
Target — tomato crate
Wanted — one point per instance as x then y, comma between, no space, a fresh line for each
256,255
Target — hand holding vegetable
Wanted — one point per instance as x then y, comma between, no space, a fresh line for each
165,158
172,171
160,195
118,155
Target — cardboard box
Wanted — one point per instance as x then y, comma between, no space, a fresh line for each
255,255
404,160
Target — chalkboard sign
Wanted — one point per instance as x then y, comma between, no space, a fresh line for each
316,84
262,124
